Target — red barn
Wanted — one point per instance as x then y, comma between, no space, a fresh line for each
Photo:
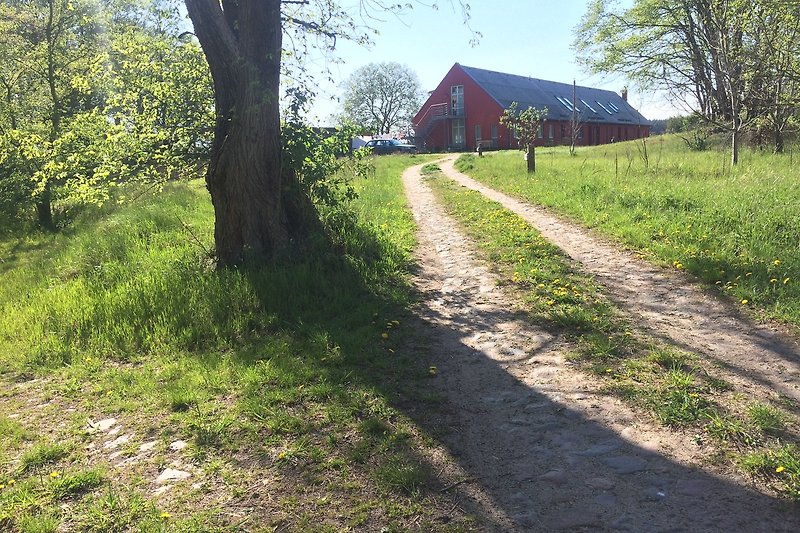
466,107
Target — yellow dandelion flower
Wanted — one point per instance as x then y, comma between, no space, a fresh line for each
55,473
773,280
165,516
786,281
744,302
780,469
11,482
2,486
384,335
776,262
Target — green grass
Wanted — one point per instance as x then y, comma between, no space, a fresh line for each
281,379
676,387
738,230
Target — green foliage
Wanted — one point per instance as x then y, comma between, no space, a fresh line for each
780,466
526,125
734,63
42,455
381,98
732,228
96,97
767,418
318,162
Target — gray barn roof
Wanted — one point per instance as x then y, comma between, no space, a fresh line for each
593,105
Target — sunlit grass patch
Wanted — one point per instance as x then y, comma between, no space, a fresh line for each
779,466
735,229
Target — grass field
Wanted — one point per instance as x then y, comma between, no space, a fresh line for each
282,382
121,345
736,229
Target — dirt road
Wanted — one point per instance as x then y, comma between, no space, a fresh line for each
537,446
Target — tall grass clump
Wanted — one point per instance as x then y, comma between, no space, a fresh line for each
735,228
139,280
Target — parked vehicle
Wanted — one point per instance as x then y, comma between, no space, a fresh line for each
390,146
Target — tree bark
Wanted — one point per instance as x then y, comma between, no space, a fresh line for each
779,141
530,157
44,209
242,42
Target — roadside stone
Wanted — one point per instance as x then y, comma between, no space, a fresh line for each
178,445
623,465
599,449
556,477
172,474
103,425
116,443
147,446
161,490
654,494
600,483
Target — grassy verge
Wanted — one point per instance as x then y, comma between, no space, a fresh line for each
676,387
266,394
736,229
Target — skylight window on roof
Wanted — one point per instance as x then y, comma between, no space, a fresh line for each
587,105
568,104
604,108
565,103
612,106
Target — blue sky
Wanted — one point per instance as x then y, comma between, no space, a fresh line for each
528,38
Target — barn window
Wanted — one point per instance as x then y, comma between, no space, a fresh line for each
457,99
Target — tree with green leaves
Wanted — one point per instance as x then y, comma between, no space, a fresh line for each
261,210
96,94
381,97
56,67
526,124
708,54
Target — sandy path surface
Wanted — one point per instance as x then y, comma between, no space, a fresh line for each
754,357
536,446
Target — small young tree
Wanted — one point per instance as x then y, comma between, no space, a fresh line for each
525,124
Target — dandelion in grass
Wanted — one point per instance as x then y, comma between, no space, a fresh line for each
780,469
384,335
55,473
773,280
786,281
745,302
165,516
776,262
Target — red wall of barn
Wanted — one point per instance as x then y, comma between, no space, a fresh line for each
481,109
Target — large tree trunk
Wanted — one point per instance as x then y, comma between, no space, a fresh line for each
44,209
242,42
